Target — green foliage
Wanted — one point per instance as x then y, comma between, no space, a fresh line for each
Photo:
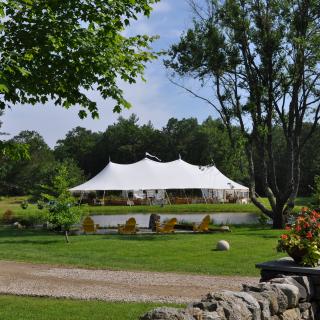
24,204
263,219
55,49
316,190
62,212
40,204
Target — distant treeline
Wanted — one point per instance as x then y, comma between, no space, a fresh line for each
86,152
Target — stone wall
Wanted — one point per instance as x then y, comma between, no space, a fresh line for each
280,298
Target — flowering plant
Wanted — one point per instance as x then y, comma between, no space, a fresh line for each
302,242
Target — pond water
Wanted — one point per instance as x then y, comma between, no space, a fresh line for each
143,218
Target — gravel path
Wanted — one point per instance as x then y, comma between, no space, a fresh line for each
45,280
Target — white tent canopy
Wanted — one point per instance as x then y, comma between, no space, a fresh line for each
150,175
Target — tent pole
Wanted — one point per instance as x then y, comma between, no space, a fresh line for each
168,197
104,192
185,194
204,197
81,196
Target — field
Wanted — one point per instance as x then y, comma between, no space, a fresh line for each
13,203
30,308
184,253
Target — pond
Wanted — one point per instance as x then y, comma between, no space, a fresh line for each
143,218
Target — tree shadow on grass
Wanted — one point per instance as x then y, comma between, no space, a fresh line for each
139,237
259,235
24,241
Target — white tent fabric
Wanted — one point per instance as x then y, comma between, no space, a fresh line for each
150,175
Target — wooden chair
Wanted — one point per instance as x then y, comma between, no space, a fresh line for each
130,227
168,227
203,226
88,225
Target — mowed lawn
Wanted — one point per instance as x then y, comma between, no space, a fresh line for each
184,253
31,308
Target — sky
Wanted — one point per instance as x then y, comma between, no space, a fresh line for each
157,100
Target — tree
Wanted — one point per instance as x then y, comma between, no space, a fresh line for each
9,149
19,177
78,145
262,60
59,50
63,213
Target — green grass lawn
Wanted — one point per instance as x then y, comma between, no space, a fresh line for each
13,203
31,308
185,253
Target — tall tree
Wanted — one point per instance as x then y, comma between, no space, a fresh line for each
78,145
262,60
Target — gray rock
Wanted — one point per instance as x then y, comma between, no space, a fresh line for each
291,314
251,288
211,316
274,296
289,280
280,300
165,313
264,304
205,305
251,303
291,292
231,307
223,245
307,284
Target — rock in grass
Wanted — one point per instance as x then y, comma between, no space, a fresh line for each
223,245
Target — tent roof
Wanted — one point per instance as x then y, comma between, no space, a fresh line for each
147,174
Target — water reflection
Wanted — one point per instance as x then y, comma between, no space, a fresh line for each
143,219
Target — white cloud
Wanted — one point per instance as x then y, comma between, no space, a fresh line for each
161,7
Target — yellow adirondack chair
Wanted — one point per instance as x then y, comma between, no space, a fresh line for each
168,227
203,226
130,227
88,225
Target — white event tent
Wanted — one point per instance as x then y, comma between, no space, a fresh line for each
152,175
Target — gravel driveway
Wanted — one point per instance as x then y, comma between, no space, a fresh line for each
45,280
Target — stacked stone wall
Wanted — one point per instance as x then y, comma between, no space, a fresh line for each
281,297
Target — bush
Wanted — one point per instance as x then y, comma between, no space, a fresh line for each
24,204
8,216
263,219
32,219
40,204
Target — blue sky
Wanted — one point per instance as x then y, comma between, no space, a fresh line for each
157,100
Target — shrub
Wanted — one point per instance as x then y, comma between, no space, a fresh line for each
40,204
8,216
32,219
263,219
24,204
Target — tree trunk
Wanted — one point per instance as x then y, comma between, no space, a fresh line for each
278,219
66,236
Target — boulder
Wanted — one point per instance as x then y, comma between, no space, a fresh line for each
223,245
